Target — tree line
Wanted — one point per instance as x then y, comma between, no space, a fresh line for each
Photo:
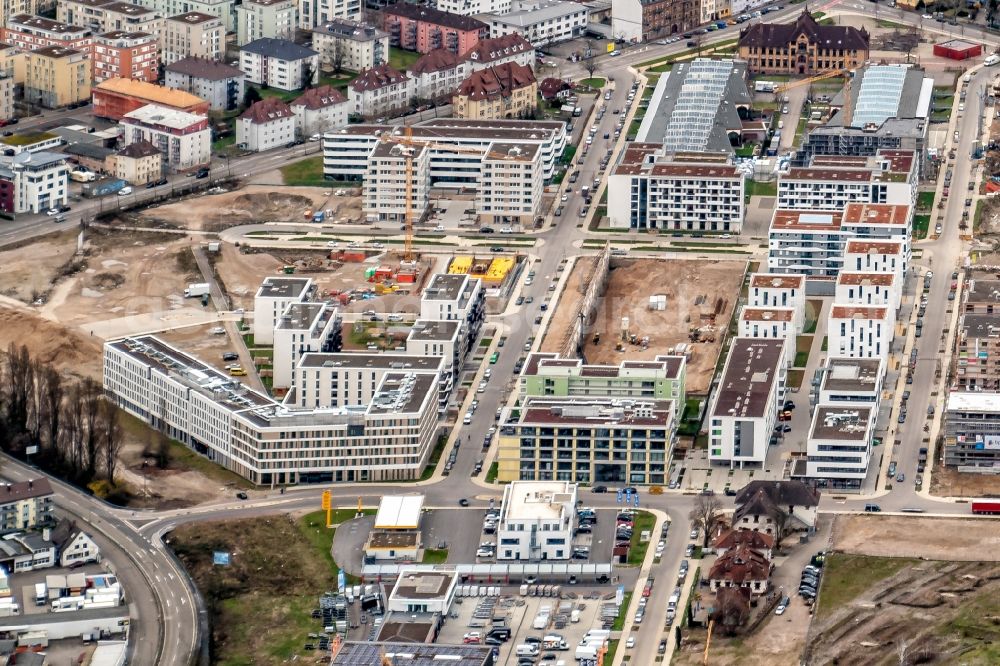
77,432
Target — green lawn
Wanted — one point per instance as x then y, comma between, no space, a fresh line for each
644,521
745,150
619,623
434,556
759,189
826,341
801,358
847,576
307,172
402,60
223,143
432,462
594,82
813,308
492,472
568,153
921,223
925,200
283,95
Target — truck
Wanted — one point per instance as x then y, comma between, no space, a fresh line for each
986,508
319,216
764,86
196,289
41,594
554,642
82,176
104,187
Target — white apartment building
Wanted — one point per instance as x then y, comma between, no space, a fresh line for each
536,521
541,22
268,123
346,152
272,301
385,188
779,290
351,45
317,12
860,331
511,187
39,181
256,19
437,74
389,438
109,15
380,91
319,110
832,182
278,63
456,298
474,7
875,256
770,324
806,242
6,97
745,405
880,222
217,83
497,51
852,380
223,9
651,189
840,442
303,328
429,337
193,35
185,139
866,288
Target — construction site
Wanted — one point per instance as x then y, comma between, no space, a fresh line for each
687,312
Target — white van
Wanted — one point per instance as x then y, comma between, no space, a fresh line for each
526,650
125,191
992,60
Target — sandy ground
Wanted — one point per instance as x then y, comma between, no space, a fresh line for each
683,282
28,271
68,350
564,315
253,204
929,538
778,642
946,482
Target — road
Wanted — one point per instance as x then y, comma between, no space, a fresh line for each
168,628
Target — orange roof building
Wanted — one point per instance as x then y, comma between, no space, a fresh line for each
116,97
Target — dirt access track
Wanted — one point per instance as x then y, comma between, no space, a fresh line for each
701,293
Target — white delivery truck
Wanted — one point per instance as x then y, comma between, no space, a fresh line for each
41,594
196,289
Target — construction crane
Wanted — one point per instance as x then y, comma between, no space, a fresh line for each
410,149
708,640
829,74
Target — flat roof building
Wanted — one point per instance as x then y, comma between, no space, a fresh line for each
272,300
840,443
536,520
972,431
850,380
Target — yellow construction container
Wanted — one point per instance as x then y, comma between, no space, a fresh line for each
498,270
460,265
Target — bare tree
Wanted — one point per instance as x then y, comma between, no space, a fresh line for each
782,521
337,57
51,406
71,434
706,515
90,405
731,610
110,438
17,379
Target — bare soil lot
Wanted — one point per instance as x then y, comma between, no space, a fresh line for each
930,538
947,482
68,350
253,204
28,270
778,642
700,294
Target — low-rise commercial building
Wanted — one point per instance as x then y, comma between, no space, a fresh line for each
536,521
351,45
541,22
131,55
184,139
840,443
396,536
423,592
219,84
505,91
270,19
422,28
116,97
652,189
56,77
860,331
278,63
744,407
588,440
193,35
266,124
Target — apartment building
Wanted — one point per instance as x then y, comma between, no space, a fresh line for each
422,29
779,290
266,124
129,55
770,323
109,15
869,288
806,242
320,110
510,191
500,50
380,91
642,20
547,374
56,77
33,182
972,431
982,292
822,187
541,22
652,189
977,352
840,442
272,300
193,35
387,196
116,97
139,163
313,13
26,33
26,505
185,139
802,48
260,19
301,329
876,256
389,438
223,9
437,74
860,331
429,337
536,521
278,63
505,91
881,222
217,83
474,7
456,298
351,45
6,97
849,381
346,152
744,407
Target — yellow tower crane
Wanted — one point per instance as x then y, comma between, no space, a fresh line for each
828,74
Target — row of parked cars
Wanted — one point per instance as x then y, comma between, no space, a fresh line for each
809,583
